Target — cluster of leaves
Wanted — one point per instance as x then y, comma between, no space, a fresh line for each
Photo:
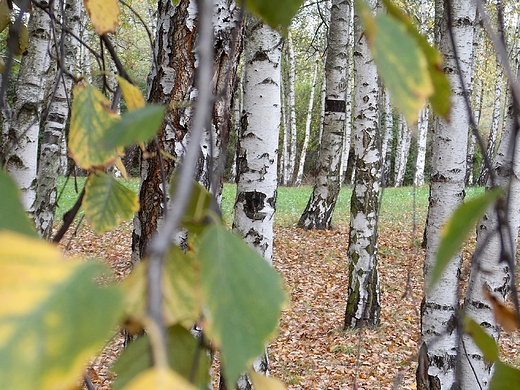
17,31
56,316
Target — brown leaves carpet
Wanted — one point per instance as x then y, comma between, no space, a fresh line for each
312,351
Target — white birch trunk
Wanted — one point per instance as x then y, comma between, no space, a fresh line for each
386,144
53,137
258,148
422,136
286,135
320,207
22,159
495,122
363,302
303,153
291,163
349,96
440,304
403,149
490,269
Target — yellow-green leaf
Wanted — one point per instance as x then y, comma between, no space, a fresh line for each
90,119
505,377
276,13
457,229
22,38
178,278
485,342
103,14
261,382
53,316
159,379
400,61
12,214
133,97
135,126
440,99
182,349
5,15
107,202
243,297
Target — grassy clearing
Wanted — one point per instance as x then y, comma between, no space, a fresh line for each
397,205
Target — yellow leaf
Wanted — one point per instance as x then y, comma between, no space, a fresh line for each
103,15
133,97
53,318
503,315
5,15
119,165
91,117
159,379
261,382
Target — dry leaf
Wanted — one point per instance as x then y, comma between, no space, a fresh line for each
503,315
103,14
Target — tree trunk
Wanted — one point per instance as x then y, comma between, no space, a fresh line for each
440,305
22,158
386,144
348,103
319,210
364,301
291,162
403,149
258,147
54,129
490,270
495,122
303,154
422,137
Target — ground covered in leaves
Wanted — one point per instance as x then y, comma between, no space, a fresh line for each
312,350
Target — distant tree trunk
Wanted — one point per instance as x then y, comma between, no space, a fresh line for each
386,144
440,304
303,154
319,210
490,269
364,301
291,163
403,148
54,128
495,122
422,136
258,148
286,135
22,158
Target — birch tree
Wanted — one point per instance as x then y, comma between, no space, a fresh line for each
422,136
22,154
404,140
54,128
386,143
440,303
320,207
363,302
257,157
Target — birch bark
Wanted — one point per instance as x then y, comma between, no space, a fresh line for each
320,207
440,303
363,302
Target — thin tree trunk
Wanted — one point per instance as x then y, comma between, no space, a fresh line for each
349,96
422,135
320,207
258,148
22,159
403,150
364,301
303,154
54,129
440,303
291,163
386,144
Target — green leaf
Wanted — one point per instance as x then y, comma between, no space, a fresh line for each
457,229
440,100
5,15
243,296
107,202
400,61
179,292
505,377
195,216
90,119
53,316
135,126
276,13
12,213
182,351
484,342
159,378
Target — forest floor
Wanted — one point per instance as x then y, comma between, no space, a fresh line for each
312,351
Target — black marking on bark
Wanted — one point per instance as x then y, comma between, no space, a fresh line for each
260,56
253,203
268,80
335,105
